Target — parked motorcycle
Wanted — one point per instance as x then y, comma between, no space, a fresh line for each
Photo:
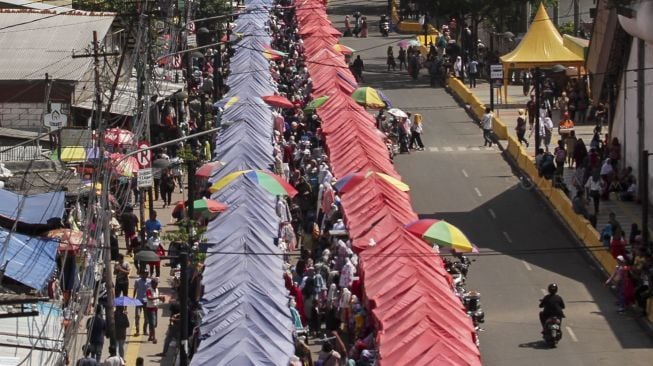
552,331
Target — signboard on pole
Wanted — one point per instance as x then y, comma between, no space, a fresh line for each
496,72
55,119
144,158
145,178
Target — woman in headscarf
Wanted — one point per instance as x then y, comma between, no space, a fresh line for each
458,68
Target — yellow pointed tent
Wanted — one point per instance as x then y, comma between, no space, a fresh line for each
542,46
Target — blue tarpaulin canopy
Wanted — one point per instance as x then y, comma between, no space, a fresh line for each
30,261
36,209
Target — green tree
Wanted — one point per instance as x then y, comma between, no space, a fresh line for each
567,28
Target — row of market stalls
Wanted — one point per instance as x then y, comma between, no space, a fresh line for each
246,320
418,319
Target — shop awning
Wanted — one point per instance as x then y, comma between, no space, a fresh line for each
28,260
32,209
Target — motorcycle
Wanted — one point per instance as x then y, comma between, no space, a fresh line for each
384,26
552,331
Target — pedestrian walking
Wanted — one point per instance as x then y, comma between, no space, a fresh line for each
358,67
172,333
416,130
458,69
167,186
595,186
129,224
617,280
113,359
570,145
521,128
364,27
347,27
121,270
152,308
140,361
177,173
486,125
87,359
152,224
531,109
472,71
402,59
122,324
560,155
546,132
391,59
140,292
97,328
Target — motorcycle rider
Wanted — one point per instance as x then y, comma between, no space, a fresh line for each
552,305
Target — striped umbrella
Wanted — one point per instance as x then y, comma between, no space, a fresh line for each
441,233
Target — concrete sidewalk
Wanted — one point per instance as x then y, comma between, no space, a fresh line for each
626,212
139,346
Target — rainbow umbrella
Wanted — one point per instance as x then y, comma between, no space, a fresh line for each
343,49
267,180
272,54
371,98
350,181
316,103
208,207
441,233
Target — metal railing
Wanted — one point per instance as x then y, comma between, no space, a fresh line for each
21,153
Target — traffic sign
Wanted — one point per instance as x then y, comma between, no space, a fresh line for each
145,178
144,158
496,71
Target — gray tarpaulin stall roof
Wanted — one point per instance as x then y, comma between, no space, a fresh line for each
246,320
37,208
30,261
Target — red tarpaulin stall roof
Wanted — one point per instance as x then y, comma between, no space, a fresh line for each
419,319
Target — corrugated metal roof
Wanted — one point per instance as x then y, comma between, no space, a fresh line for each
56,6
33,43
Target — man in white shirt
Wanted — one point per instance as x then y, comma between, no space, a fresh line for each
113,359
486,125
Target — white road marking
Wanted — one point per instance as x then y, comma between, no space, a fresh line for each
572,335
433,149
505,234
491,211
465,173
447,148
478,192
475,148
528,266
543,291
462,148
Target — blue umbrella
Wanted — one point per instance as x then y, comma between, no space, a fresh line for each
127,301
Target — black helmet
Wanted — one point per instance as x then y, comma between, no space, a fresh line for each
553,288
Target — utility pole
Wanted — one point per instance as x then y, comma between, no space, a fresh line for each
103,215
97,120
576,18
641,140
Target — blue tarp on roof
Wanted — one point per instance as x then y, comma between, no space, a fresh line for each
37,208
30,261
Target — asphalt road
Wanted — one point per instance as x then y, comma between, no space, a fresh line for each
457,179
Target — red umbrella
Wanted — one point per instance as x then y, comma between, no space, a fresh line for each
207,169
278,101
118,137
